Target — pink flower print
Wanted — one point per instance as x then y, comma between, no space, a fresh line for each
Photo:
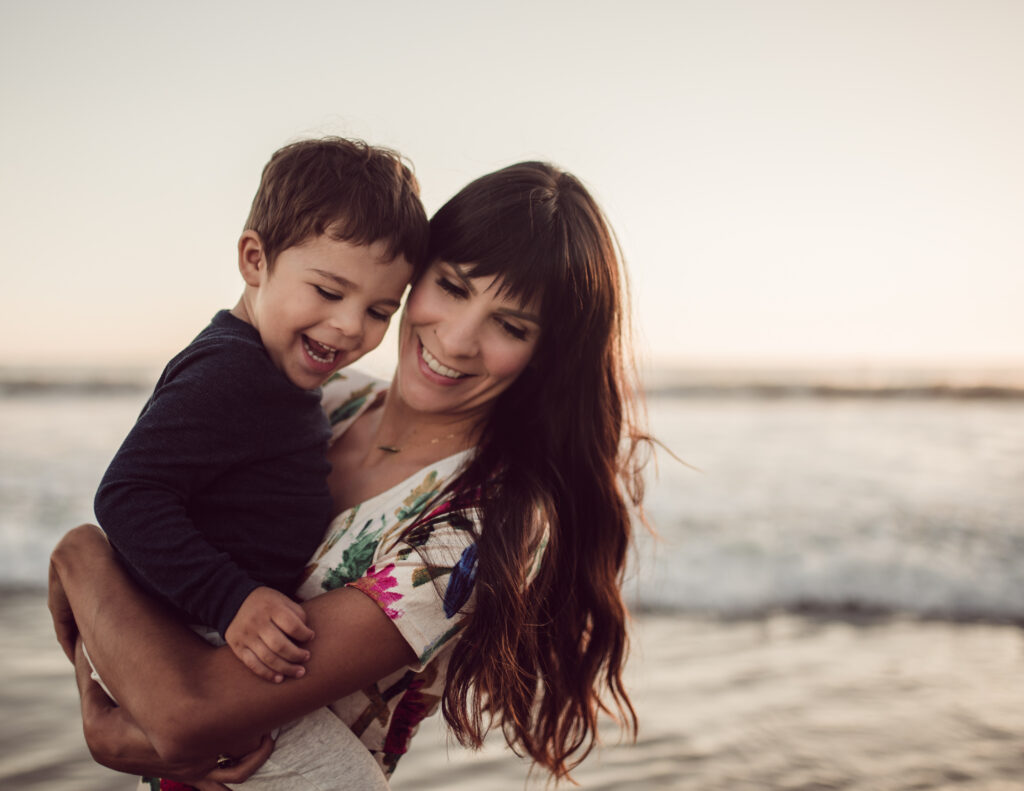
377,585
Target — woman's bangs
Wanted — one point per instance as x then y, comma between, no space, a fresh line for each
523,264
522,277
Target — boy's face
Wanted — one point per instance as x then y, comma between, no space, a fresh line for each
324,305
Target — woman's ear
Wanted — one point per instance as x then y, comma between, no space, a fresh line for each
252,261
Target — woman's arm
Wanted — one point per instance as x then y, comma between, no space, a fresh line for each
113,738
193,701
117,742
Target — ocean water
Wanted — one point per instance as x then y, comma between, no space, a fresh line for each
911,505
834,502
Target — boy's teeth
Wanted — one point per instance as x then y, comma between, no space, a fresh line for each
437,368
319,352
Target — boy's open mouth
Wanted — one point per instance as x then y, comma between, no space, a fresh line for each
318,351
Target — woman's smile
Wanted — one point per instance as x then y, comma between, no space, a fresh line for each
437,367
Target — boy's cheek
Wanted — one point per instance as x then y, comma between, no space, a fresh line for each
373,341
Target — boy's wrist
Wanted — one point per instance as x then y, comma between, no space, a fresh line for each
234,601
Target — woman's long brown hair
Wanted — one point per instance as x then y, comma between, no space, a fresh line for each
559,460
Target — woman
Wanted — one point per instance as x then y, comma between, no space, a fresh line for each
483,502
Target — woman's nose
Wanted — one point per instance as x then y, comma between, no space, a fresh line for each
459,335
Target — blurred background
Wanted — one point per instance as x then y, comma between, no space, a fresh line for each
819,204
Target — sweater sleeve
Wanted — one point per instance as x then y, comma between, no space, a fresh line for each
202,420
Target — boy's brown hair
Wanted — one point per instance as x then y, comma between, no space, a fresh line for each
346,188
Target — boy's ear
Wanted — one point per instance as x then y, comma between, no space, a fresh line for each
252,261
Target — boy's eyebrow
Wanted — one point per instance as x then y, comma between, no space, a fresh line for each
341,281
349,285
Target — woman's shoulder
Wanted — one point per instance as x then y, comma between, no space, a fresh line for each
347,394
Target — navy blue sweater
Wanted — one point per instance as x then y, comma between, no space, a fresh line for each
221,486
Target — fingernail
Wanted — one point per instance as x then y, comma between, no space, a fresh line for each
300,673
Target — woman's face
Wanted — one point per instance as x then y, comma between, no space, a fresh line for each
461,343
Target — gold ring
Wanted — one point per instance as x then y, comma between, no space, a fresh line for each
225,761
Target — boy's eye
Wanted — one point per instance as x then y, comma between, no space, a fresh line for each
451,288
379,315
327,294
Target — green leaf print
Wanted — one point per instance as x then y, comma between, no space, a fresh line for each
351,405
355,560
339,532
425,574
418,497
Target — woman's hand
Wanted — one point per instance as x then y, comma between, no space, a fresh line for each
117,742
60,610
243,769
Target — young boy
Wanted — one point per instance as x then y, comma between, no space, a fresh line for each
218,496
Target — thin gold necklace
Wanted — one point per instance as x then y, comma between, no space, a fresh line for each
398,448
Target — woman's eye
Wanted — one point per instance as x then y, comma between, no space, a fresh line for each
451,288
516,332
327,294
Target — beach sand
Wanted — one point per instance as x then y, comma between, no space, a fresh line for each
783,702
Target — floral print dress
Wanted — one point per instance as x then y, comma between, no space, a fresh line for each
412,552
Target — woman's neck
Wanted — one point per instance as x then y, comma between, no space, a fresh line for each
398,430
387,444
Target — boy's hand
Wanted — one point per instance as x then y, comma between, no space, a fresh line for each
263,634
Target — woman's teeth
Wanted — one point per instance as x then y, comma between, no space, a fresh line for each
434,365
318,351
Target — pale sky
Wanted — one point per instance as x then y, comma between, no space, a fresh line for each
790,181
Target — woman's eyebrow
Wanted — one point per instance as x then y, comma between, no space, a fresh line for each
525,315
463,277
521,314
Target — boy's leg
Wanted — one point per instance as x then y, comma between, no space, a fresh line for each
317,753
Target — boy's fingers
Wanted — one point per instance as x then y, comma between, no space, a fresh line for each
295,608
281,646
257,666
285,644
293,626
279,661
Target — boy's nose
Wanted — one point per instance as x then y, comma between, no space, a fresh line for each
349,323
